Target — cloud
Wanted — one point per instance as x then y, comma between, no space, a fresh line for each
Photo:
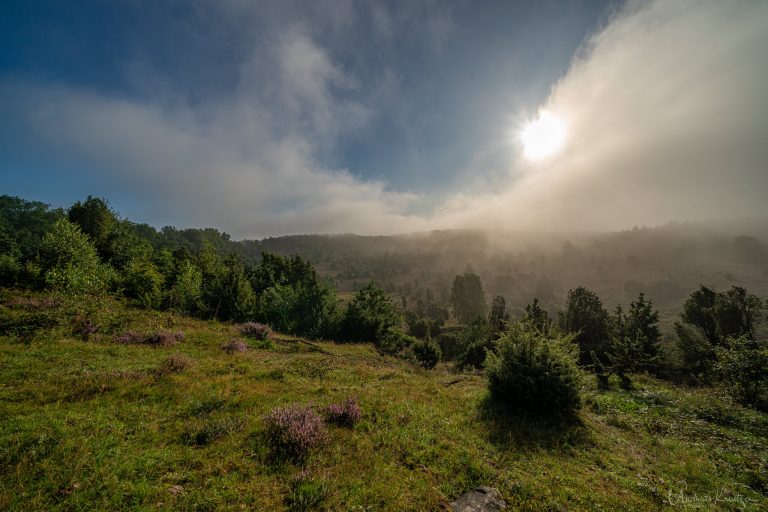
666,111
667,114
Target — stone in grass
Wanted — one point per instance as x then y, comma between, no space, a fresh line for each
481,499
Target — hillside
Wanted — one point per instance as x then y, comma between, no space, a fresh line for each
102,425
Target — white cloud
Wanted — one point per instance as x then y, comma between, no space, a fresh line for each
667,112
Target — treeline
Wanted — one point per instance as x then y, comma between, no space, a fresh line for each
716,342
88,249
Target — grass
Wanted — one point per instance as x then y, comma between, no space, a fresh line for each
96,425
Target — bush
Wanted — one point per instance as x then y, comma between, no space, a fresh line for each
370,316
158,339
233,346
394,342
9,270
83,327
530,372
293,431
186,294
346,414
474,340
143,283
744,370
427,353
255,330
175,363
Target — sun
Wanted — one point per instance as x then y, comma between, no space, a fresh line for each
543,137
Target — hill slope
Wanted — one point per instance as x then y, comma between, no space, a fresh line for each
100,425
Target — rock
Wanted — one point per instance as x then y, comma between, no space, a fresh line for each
482,499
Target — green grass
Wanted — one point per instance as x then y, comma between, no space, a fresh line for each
93,425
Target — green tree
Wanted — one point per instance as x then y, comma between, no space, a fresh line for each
143,283
69,261
468,298
370,315
538,316
498,316
228,294
96,219
531,372
585,317
186,293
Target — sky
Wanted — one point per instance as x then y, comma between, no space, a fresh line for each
284,117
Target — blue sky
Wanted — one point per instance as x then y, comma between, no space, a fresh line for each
264,118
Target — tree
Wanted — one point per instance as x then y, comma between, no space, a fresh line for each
498,316
370,315
96,219
538,316
228,294
69,261
468,298
585,317
531,372
722,315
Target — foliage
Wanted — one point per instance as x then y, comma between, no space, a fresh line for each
468,298
427,353
143,284
530,372
293,431
255,330
475,340
233,346
227,292
635,340
722,315
186,293
697,353
585,317
293,299
346,414
95,218
538,316
743,367
370,316
498,316
70,262
159,338
23,224
9,270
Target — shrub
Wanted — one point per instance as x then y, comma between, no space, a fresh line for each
255,330
474,341
744,370
186,294
530,372
293,431
370,316
427,353
394,342
9,270
83,327
158,339
175,363
143,283
233,346
346,414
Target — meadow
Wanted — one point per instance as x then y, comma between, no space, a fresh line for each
93,424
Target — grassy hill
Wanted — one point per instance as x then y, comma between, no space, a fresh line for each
99,425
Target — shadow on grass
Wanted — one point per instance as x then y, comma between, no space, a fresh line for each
518,430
